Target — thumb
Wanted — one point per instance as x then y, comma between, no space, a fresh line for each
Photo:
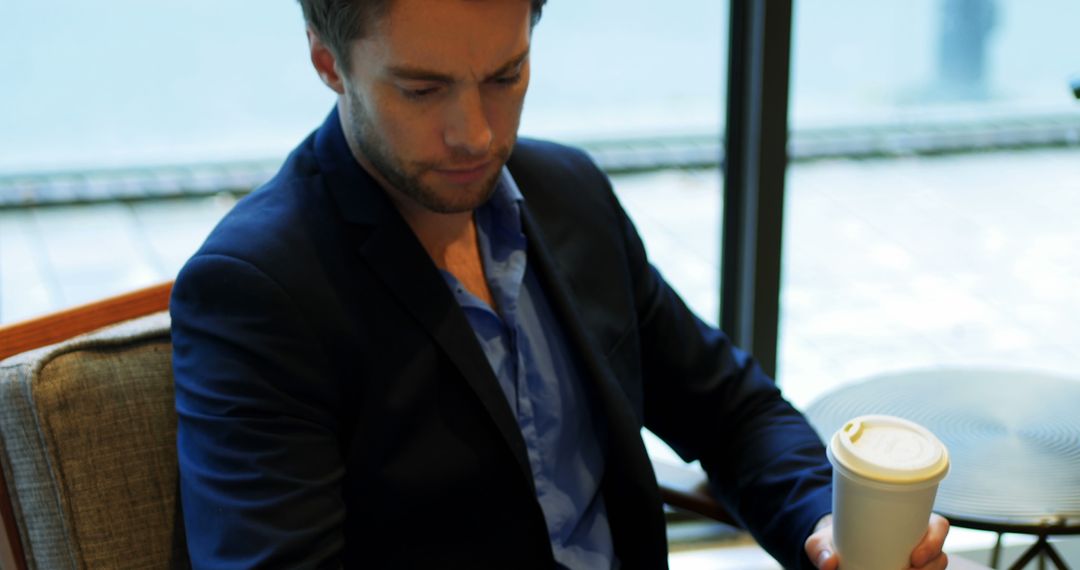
819,547
823,557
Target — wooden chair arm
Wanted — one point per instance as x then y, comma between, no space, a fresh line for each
686,488
27,335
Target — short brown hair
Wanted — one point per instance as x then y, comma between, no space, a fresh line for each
337,22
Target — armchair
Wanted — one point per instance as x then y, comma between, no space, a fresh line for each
87,438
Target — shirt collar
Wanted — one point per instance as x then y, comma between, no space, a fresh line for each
506,190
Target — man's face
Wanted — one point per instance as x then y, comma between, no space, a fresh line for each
433,97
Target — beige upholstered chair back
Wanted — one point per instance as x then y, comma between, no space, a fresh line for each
87,447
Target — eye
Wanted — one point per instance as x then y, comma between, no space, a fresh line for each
508,79
417,93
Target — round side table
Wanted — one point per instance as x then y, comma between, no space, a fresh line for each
1013,440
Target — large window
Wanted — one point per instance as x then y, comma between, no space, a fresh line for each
609,69
91,85
640,85
128,128
903,247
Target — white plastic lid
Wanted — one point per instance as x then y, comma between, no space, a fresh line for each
890,450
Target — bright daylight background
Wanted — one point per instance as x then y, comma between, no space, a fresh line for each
932,199
891,262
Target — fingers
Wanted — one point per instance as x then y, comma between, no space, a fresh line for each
820,550
926,556
929,549
829,561
939,563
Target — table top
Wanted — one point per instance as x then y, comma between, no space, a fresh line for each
1013,440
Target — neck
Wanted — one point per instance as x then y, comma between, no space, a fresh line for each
445,237
450,240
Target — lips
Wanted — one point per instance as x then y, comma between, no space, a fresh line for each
464,175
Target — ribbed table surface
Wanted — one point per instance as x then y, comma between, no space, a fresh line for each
1013,439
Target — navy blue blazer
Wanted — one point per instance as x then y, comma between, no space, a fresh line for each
335,407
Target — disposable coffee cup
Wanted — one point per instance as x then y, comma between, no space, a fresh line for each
886,472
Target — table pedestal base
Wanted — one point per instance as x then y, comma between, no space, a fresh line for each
1042,548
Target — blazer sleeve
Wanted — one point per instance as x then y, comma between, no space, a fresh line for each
710,401
260,464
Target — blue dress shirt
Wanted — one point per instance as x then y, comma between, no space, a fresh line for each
543,383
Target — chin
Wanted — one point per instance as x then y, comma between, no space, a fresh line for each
458,200
446,198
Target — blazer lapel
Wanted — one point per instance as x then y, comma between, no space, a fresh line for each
632,496
399,260
613,402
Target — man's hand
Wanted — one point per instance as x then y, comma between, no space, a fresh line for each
926,556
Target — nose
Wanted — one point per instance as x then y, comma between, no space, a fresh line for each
468,131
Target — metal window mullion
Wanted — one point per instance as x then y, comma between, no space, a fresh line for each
755,163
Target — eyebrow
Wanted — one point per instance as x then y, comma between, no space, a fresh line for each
420,74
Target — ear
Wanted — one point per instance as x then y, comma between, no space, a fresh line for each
325,63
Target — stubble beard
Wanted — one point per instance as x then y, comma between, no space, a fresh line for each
405,178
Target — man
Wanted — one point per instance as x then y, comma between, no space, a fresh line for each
426,344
